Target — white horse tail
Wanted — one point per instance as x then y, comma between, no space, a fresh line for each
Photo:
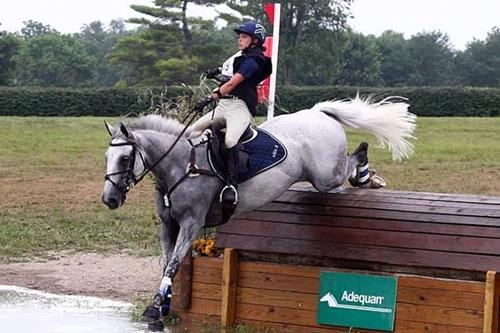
390,121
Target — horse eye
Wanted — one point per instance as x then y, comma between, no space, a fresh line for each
124,158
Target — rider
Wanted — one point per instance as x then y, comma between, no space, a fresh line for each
237,98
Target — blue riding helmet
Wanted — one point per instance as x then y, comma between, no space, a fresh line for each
253,29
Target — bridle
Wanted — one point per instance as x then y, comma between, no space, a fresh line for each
130,177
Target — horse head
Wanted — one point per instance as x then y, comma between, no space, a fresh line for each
122,166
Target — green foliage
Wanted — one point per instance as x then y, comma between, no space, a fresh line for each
98,44
479,64
301,24
424,101
74,102
396,62
176,70
34,28
9,48
433,58
361,62
55,60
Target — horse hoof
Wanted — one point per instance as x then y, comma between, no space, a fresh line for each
156,326
376,181
151,315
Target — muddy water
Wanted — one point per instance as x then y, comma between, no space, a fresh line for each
24,310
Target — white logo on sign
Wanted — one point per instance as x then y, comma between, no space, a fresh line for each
332,302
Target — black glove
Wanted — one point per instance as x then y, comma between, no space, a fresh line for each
212,72
203,103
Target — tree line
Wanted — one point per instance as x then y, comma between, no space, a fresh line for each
317,47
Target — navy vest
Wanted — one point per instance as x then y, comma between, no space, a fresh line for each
247,90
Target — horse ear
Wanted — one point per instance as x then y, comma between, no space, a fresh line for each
111,130
125,131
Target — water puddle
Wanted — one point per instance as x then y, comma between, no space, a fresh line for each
24,310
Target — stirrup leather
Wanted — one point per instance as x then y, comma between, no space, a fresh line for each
232,188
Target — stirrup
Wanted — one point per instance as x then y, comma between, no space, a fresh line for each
232,188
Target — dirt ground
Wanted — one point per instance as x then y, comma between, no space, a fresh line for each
116,276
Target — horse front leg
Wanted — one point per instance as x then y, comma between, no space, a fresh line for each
169,231
160,306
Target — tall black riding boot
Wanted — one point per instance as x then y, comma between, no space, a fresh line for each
229,194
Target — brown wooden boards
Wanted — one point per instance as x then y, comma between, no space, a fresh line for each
432,230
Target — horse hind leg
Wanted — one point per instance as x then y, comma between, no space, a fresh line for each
360,174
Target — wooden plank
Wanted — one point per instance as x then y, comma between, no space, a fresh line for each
208,262
184,282
265,326
307,301
418,313
380,254
440,284
229,281
368,223
284,289
423,282
381,197
379,213
401,326
406,194
399,239
491,303
294,271
422,206
442,298
280,298
203,307
440,315
207,275
267,282
207,291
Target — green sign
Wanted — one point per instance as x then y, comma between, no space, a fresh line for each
356,300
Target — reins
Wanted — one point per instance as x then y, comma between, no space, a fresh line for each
192,169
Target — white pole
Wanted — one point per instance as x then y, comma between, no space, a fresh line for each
274,59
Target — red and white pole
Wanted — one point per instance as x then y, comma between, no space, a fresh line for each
273,12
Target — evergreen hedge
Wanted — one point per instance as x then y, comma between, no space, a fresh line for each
424,101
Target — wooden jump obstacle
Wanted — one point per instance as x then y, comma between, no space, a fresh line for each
444,250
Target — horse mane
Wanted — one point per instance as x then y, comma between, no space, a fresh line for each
158,123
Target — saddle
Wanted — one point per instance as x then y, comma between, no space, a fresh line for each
258,151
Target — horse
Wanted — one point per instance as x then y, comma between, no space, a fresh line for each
316,147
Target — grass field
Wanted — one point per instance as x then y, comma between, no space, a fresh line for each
51,176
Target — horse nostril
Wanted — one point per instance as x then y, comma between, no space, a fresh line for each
112,203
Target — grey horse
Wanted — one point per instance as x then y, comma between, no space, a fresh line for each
317,153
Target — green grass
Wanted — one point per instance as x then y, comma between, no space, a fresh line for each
51,175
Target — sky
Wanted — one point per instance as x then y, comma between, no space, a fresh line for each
461,20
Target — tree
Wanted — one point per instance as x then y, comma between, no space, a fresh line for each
361,62
98,43
173,13
479,64
33,28
55,60
164,41
135,56
433,57
396,62
9,48
301,21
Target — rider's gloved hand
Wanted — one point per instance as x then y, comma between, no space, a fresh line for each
203,103
212,72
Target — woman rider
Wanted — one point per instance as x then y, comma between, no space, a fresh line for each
237,98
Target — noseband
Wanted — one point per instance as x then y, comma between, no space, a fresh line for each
130,178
